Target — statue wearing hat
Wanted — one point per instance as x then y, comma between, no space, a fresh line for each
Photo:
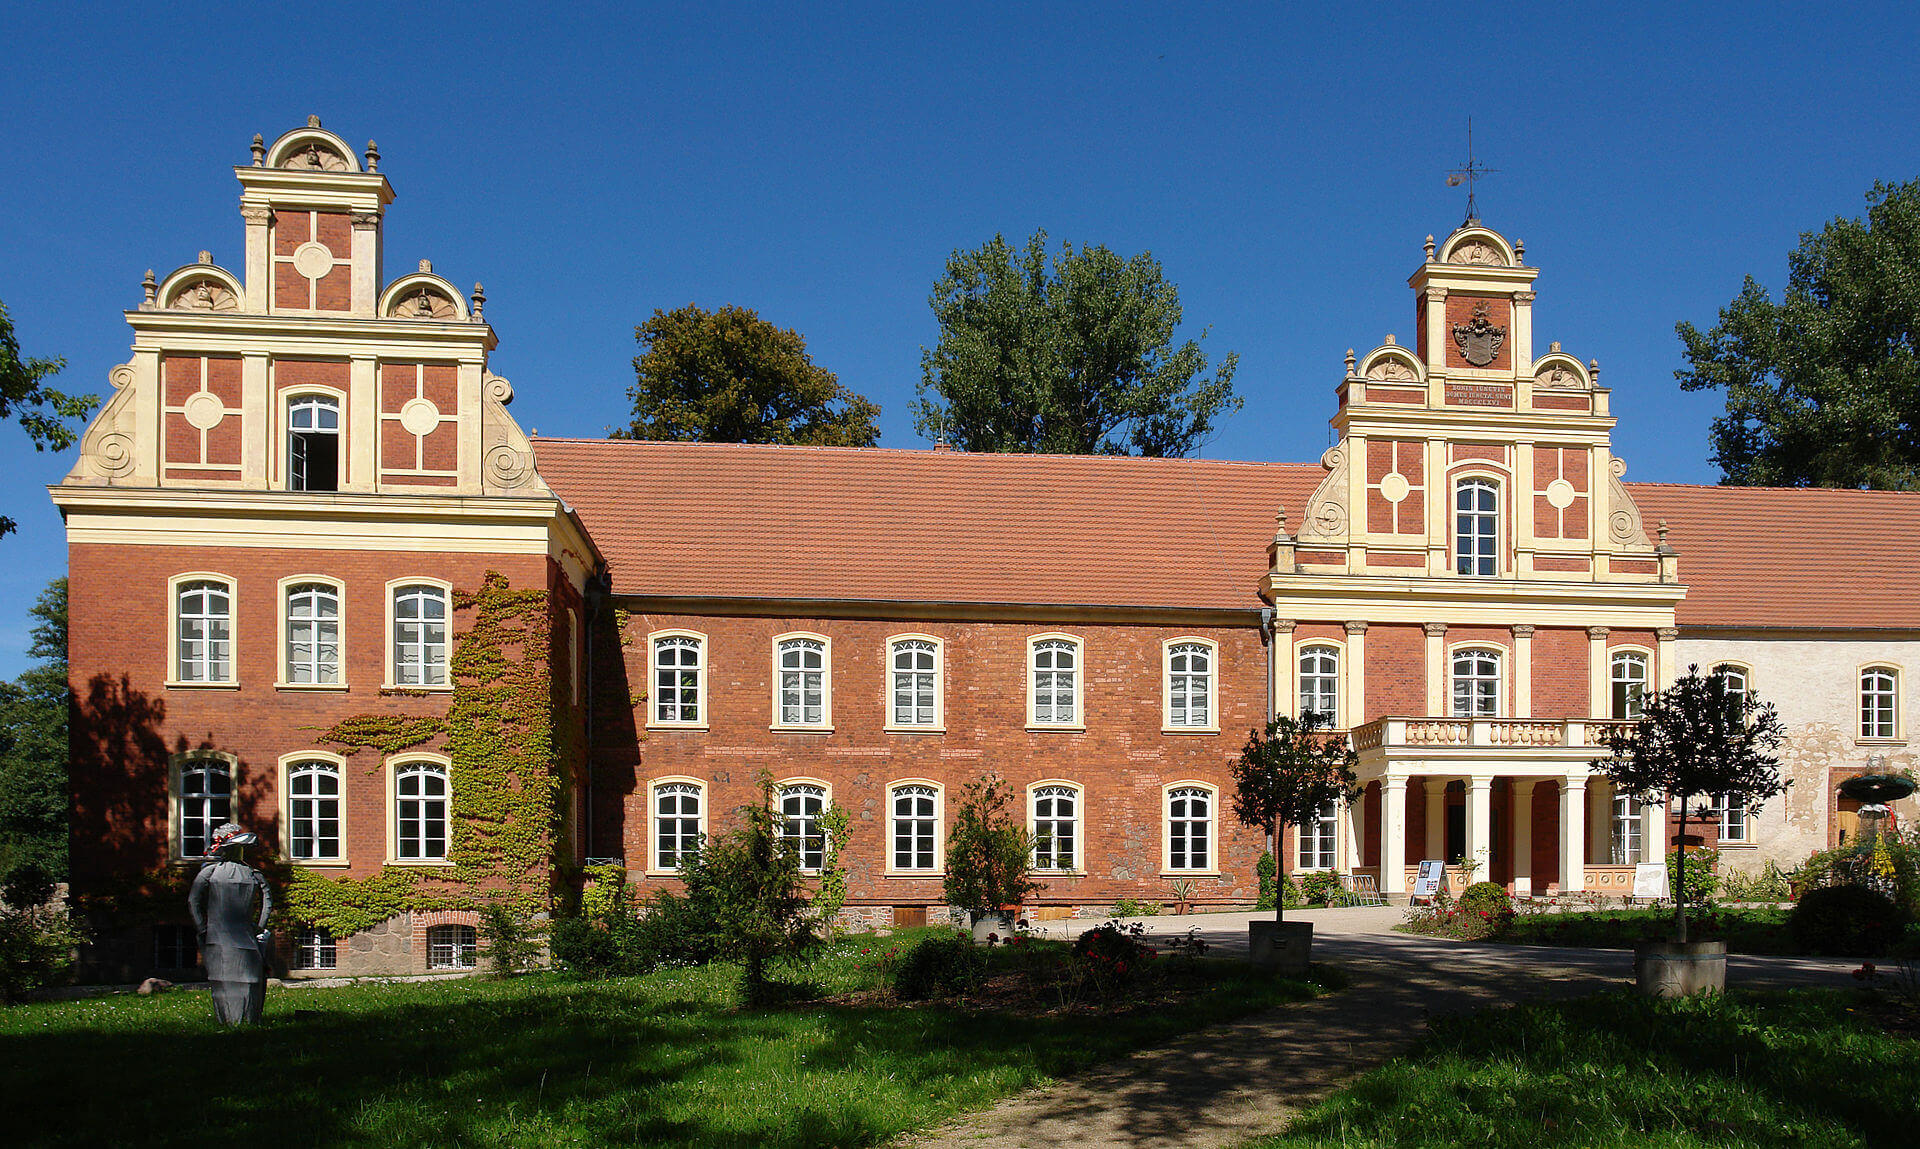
233,942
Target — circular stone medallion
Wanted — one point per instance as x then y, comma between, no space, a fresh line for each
1393,487
419,416
204,410
1560,494
312,260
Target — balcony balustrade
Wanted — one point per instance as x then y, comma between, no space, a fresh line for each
1492,733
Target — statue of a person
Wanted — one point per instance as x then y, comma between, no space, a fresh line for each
233,942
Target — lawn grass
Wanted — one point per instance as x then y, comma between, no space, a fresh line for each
1745,929
1803,1068
667,1059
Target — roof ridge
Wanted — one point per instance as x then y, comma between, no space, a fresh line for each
929,452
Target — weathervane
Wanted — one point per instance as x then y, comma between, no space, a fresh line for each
1467,174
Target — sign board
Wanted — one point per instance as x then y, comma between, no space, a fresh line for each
1650,881
1427,885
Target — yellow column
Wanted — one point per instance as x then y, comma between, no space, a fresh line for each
1437,669
1393,834
1598,704
1355,702
1523,837
1522,671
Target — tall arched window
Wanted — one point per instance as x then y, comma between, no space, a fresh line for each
916,689
1317,836
802,682
204,801
679,677
676,823
1879,702
419,636
1056,828
1189,828
1320,683
915,826
801,804
1055,666
313,811
1476,683
313,444
1190,685
1476,529
203,631
313,634
420,812
1625,844
1629,681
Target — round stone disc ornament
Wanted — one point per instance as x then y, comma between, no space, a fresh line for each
419,416
1560,494
203,410
1394,487
312,260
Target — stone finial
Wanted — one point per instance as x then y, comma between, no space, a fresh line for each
1593,371
1280,558
1280,525
373,156
1519,250
149,290
206,257
313,121
259,150
1554,346
1429,249
1350,363
426,265
1390,342
479,301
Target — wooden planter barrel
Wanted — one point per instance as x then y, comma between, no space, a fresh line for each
1680,969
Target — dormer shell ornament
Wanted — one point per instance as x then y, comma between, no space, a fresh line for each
312,149
1558,371
1478,246
201,287
1392,363
422,295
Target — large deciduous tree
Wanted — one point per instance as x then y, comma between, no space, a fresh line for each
1072,357
46,415
33,760
1287,774
729,376
1823,387
1696,740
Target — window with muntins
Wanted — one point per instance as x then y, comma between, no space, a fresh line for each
1879,694
1320,684
803,682
452,947
1731,810
1734,679
1476,530
175,947
1056,670
1316,838
1476,684
204,632
1624,846
419,636
420,812
676,680
1189,828
676,823
1056,828
1629,682
313,444
913,827
314,948
313,811
1190,685
914,687
313,634
205,801
800,806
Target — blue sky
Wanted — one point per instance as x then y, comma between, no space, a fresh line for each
818,163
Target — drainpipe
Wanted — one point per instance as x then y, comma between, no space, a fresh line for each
1266,640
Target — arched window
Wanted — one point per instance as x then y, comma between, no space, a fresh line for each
803,682
452,947
1189,828
1190,685
677,823
1316,837
203,618
1055,666
679,680
313,811
1476,683
801,804
419,636
1056,828
1476,530
916,688
1625,844
313,443
205,800
1879,702
420,812
915,827
1629,681
1320,684
313,634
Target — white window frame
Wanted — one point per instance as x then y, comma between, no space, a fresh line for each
315,948
178,800
1173,720
1724,806
1079,672
825,725
675,782
426,764
176,586
803,789
291,766
938,720
284,679
680,639
1182,788
293,399
1624,656
938,794
1735,672
1891,731
1470,650
1301,651
1323,829
1052,788
1460,553
392,642
465,951
1626,830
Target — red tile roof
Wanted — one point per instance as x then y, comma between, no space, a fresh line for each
711,519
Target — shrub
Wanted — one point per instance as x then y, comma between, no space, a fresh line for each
1703,879
1319,887
1868,864
944,964
1266,870
586,947
36,947
1135,908
1489,902
1112,957
508,936
1769,885
988,851
1847,920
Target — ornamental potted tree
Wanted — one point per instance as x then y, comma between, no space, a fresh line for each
987,858
1693,741
1284,777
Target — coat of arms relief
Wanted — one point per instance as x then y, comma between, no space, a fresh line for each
1479,339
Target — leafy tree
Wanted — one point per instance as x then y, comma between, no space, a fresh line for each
42,412
729,376
1696,740
988,851
1823,387
1288,773
1076,358
746,888
33,760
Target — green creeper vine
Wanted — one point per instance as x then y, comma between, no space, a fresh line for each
836,826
